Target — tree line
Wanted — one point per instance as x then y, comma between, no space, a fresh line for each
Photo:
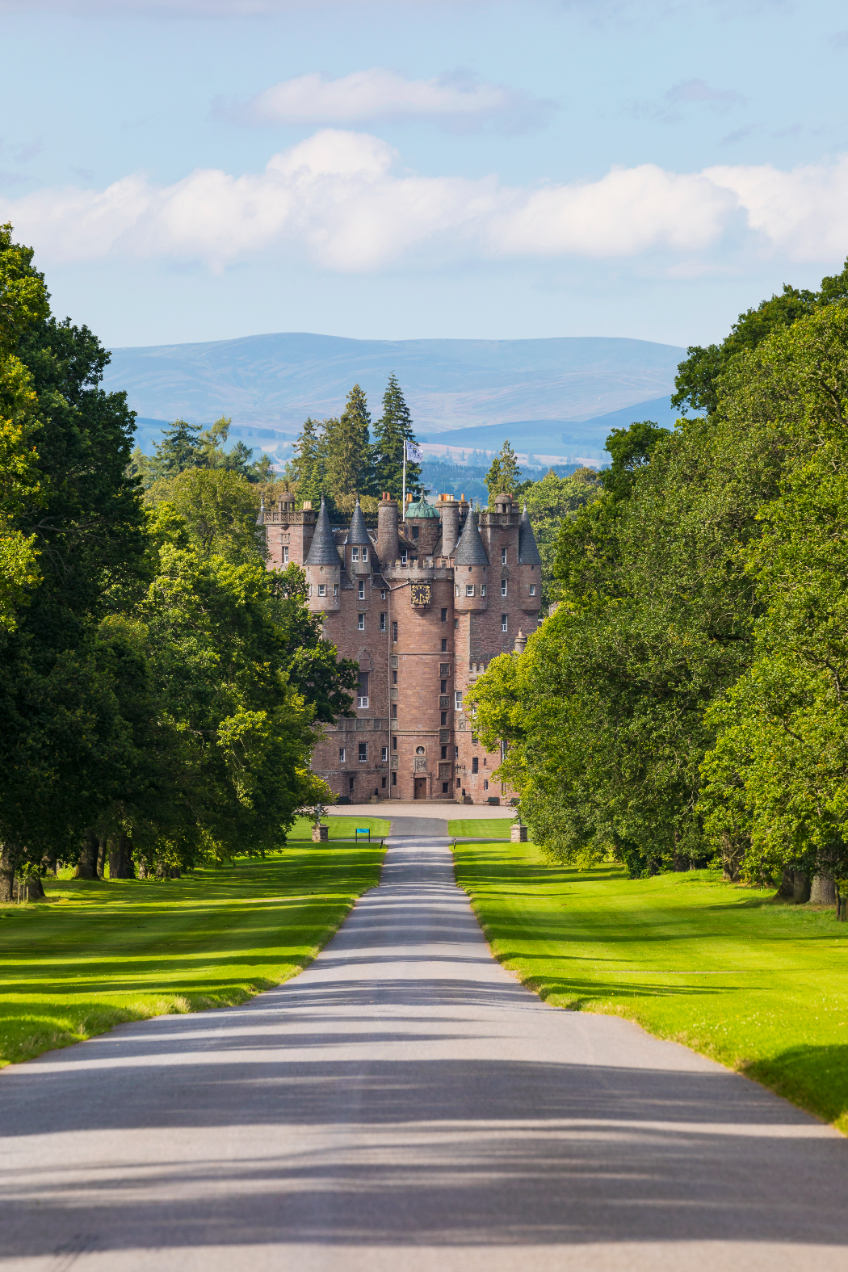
686,700
159,686
336,458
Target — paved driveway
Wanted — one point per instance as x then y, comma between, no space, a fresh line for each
404,1105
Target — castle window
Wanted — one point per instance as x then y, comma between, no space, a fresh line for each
415,532
383,595
503,587
354,554
485,786
364,554
394,632
444,788
382,622
532,589
394,717
322,589
403,557
444,752
363,752
444,616
394,677
475,764
394,779
457,700
444,646
419,750
444,717
456,752
350,783
503,556
482,589
443,686
503,622
383,783
361,623
362,690
384,756
335,589
456,590
362,591
394,744
469,589
341,755
457,783
309,589
285,556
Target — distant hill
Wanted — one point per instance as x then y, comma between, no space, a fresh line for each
552,397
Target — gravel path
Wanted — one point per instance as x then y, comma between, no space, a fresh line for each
406,1106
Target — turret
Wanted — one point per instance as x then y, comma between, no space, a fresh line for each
357,549
422,525
323,567
449,512
387,530
471,570
529,567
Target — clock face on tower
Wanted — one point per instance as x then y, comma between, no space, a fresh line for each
420,593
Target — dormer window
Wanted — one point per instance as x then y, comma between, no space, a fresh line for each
354,554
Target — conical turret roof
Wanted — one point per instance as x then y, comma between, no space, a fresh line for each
323,549
358,532
528,553
470,550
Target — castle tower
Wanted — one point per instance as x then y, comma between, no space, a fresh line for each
323,567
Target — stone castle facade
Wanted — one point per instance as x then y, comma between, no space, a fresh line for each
423,604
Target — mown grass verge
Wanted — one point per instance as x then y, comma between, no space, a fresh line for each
340,827
481,827
757,984
98,953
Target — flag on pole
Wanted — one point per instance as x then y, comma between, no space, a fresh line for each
413,452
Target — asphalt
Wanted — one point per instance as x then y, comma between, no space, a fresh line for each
404,1105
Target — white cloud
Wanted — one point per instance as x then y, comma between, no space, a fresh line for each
381,94
337,198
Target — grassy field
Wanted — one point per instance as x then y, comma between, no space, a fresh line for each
341,827
481,827
760,985
97,953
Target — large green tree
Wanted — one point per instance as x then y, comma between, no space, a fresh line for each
347,444
504,475
392,431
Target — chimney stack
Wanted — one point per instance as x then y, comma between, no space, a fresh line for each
449,509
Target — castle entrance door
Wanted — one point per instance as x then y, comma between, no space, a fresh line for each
420,788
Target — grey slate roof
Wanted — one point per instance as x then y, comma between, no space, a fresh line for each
470,550
420,509
323,549
358,532
528,553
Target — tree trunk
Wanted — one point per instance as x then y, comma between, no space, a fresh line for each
802,887
87,867
8,856
841,908
823,890
787,884
680,863
120,858
101,858
29,889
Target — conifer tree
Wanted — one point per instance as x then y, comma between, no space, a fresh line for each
391,431
348,448
504,475
309,466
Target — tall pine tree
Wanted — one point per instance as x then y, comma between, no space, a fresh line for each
391,431
504,475
309,465
348,448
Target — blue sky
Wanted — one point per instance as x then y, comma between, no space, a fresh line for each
203,169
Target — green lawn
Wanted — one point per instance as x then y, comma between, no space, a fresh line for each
761,986
342,827
481,827
98,953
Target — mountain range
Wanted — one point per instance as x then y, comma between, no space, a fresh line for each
555,398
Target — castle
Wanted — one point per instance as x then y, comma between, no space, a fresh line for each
422,605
